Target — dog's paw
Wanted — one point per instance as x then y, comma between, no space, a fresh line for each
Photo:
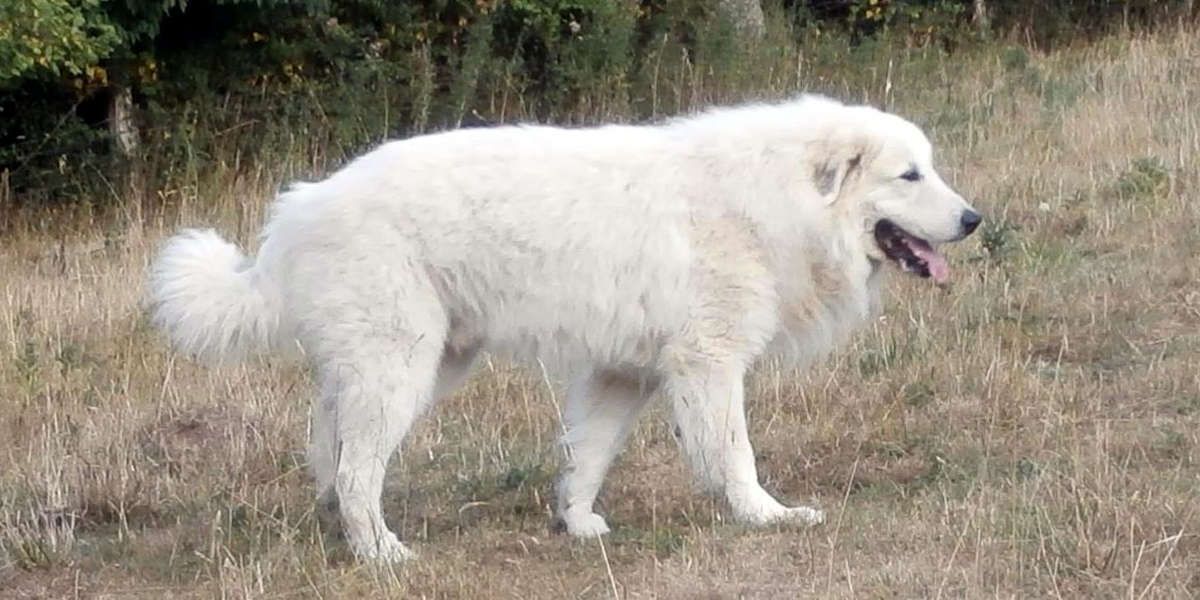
803,515
387,549
587,525
772,513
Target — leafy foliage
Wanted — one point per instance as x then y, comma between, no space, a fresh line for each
53,37
255,76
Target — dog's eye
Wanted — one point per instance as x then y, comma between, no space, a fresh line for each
911,175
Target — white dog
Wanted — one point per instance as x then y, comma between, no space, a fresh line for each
632,260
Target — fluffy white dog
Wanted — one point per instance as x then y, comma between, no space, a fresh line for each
632,260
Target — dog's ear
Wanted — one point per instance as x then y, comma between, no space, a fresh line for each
833,171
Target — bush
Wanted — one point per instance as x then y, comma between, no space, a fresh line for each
272,78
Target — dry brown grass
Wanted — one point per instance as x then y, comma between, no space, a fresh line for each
1030,433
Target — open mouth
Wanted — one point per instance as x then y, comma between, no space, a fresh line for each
910,252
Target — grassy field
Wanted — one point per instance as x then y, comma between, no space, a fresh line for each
1030,432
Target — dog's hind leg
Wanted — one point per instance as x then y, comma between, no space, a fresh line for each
322,449
378,367
376,398
601,409
708,405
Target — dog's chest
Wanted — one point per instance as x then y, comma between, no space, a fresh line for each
822,310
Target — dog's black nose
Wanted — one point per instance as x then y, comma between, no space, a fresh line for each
970,221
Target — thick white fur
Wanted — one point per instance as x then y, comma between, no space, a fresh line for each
631,260
210,301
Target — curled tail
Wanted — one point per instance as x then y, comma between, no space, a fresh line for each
211,300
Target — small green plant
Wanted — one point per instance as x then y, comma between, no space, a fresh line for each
1014,58
890,350
876,361
1170,443
69,358
34,538
519,476
918,394
1027,469
997,238
1188,404
1146,176
1060,93
27,362
664,539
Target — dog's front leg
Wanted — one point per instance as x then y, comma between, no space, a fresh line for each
710,424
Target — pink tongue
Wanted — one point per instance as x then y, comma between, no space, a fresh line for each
936,263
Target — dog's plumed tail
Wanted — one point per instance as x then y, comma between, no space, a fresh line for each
212,301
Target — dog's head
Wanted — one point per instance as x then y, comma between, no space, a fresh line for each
877,170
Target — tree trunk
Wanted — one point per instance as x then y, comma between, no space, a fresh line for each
746,16
980,15
120,120
127,139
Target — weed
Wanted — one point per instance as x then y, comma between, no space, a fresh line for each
997,238
1145,177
